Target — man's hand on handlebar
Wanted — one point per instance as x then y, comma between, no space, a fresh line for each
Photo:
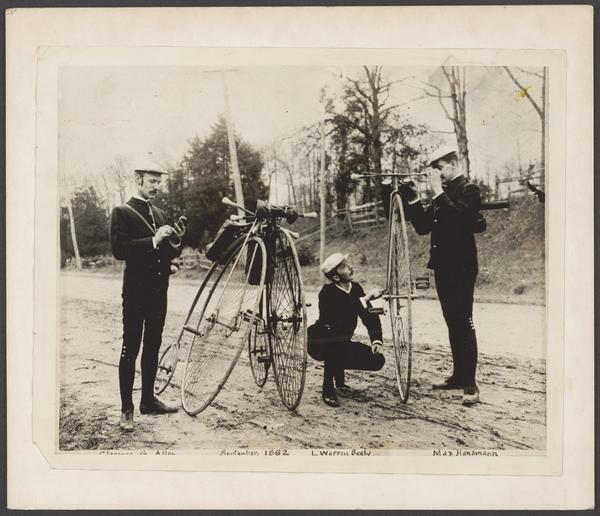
374,293
377,348
291,215
408,191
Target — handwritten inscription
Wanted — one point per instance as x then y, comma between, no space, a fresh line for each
136,452
465,453
341,453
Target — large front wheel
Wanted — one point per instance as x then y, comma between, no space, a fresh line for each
219,334
287,320
399,286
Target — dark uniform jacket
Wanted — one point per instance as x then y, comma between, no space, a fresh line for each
451,219
339,313
146,269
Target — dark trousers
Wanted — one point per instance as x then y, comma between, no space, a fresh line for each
339,356
143,313
455,288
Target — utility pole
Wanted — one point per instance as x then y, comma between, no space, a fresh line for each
67,194
235,169
322,194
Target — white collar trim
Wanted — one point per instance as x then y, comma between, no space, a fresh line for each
343,289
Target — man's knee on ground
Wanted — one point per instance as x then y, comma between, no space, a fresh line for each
378,361
315,350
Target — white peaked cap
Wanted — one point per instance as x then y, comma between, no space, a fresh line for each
147,164
442,152
332,261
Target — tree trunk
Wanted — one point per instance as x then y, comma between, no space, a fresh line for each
73,233
322,196
458,95
540,110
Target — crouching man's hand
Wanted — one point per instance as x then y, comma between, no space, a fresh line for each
374,293
377,347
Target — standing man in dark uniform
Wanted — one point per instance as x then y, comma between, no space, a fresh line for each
452,219
341,303
140,236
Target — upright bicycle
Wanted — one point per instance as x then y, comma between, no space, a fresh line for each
254,298
400,289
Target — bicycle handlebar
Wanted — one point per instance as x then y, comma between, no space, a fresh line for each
264,210
309,215
356,177
490,205
228,202
494,205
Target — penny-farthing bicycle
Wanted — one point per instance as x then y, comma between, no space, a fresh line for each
399,286
400,289
255,298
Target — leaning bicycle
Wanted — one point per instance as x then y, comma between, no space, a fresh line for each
255,299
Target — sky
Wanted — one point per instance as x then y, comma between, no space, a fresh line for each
129,112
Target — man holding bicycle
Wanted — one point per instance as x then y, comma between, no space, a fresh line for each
341,303
452,218
140,236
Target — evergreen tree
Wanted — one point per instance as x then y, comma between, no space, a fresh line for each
204,178
91,225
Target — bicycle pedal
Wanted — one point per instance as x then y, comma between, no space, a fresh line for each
263,359
248,315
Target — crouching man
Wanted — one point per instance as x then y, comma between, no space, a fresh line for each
341,303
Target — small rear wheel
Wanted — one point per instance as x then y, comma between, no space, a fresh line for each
258,347
166,368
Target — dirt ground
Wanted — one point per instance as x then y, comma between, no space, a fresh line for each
511,376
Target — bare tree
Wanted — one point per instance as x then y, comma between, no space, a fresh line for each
539,106
120,174
457,113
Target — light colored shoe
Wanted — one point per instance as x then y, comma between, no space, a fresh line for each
126,422
470,396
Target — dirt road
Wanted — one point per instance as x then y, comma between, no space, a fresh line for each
511,376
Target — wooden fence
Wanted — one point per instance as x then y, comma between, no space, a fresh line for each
347,219
194,260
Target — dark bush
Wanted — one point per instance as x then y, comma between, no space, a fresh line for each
305,255
520,289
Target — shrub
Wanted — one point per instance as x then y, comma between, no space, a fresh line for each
520,289
305,255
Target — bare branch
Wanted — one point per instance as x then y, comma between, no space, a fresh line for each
522,70
525,92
